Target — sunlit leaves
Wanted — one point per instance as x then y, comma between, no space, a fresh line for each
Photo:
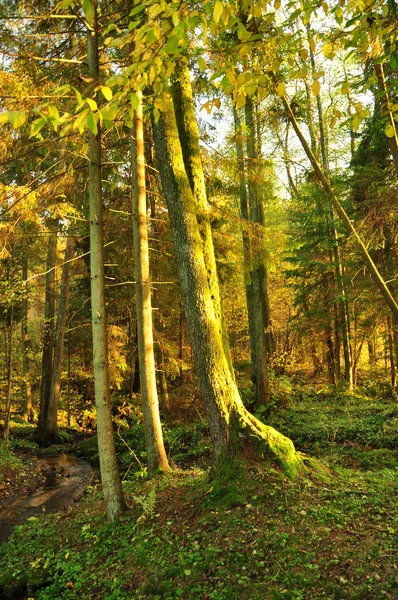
17,118
218,10
107,92
89,11
202,64
316,88
280,89
389,130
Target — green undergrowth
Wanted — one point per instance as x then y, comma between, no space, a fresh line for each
188,537
251,534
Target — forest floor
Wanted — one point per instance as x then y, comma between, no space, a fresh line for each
254,535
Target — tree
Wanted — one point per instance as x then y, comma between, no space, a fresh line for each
156,453
110,478
224,408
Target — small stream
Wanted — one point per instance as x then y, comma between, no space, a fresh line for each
66,480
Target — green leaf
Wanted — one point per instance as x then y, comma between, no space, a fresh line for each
389,130
92,104
107,92
17,118
37,126
89,11
92,123
53,112
134,100
202,64
66,3
218,11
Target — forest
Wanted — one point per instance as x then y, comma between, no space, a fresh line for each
198,299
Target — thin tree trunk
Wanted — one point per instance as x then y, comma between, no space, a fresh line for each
342,303
156,454
48,334
7,416
386,103
50,425
246,238
113,495
390,346
27,410
377,278
259,274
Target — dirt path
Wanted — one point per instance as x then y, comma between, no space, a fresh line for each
66,479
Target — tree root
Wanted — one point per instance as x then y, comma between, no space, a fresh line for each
282,448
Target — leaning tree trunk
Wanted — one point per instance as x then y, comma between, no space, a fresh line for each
48,334
27,410
374,272
156,454
111,484
224,407
49,433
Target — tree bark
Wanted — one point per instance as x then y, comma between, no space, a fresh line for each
189,140
48,334
259,274
224,407
27,410
111,484
156,454
49,433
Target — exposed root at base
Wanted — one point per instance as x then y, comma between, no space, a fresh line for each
292,461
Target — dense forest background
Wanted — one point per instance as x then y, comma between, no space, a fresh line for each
198,233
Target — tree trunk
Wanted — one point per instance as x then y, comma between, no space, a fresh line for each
49,433
113,495
189,140
342,302
246,238
224,407
261,318
48,334
156,454
377,278
27,410
7,416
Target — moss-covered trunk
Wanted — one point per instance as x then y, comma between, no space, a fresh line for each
223,405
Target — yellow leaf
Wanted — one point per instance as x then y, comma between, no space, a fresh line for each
202,64
17,118
217,103
280,89
107,92
218,10
275,65
304,54
345,88
240,101
327,49
389,130
316,88
277,4
311,42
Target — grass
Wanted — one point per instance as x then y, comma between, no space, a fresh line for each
254,535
